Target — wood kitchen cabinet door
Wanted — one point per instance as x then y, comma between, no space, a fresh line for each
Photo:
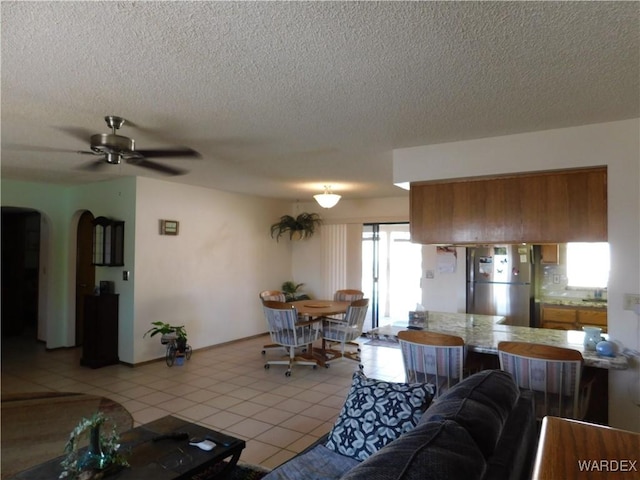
558,318
596,318
550,254
560,206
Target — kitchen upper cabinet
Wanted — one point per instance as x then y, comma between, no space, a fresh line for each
560,206
550,254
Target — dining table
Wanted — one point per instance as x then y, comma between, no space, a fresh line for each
320,308
483,333
316,309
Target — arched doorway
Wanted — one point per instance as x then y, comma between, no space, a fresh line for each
20,271
85,270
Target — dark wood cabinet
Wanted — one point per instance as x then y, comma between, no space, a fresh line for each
100,344
560,206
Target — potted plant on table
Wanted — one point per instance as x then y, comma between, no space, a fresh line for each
302,226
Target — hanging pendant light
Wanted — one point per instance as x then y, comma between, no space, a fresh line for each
327,199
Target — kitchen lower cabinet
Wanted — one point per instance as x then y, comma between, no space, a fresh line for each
571,318
596,318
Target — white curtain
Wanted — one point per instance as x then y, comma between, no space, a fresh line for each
333,240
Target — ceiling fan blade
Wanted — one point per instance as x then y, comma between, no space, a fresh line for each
169,152
30,148
93,166
79,133
144,163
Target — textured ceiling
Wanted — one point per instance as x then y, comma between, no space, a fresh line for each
283,97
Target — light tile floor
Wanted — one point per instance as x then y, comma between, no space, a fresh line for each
225,388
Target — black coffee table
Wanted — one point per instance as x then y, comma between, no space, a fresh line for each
166,459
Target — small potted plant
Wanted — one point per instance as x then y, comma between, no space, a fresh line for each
168,333
302,226
291,293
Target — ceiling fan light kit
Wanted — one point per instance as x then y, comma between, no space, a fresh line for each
327,199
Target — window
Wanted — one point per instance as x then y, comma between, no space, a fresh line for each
588,265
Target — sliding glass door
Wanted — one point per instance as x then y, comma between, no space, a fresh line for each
391,273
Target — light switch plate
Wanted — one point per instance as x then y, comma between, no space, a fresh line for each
631,301
125,275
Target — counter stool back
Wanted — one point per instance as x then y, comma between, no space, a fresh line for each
554,374
430,357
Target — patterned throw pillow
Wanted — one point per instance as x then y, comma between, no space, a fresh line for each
376,413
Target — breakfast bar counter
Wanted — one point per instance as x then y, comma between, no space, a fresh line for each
482,333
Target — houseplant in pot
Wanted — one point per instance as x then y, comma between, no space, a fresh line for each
290,290
300,227
174,336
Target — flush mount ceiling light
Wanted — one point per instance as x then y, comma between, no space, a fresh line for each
327,199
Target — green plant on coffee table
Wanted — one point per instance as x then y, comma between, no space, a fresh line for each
109,446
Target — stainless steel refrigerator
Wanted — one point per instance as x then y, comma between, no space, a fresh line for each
500,282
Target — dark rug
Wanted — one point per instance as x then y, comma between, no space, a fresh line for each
242,471
36,426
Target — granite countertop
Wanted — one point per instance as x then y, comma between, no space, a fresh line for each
575,302
482,333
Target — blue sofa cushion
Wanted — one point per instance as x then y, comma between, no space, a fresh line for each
433,450
376,413
480,404
319,463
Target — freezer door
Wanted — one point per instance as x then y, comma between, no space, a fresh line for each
509,300
500,263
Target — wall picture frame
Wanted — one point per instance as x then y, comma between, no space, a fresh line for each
169,227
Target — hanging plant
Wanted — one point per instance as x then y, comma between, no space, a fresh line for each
302,226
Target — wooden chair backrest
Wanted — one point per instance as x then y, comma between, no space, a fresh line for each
272,295
276,305
431,357
363,302
536,350
348,295
552,373
431,338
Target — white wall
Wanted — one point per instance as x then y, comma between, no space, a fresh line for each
208,277
445,292
614,144
306,254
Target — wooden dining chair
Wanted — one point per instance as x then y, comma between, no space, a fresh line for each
348,295
344,332
431,357
554,374
289,332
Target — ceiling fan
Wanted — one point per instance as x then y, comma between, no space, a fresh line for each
114,148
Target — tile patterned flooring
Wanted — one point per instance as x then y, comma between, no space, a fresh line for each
225,388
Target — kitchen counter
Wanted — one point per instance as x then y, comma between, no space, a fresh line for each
574,302
482,333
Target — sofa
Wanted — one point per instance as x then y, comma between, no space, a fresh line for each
482,428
